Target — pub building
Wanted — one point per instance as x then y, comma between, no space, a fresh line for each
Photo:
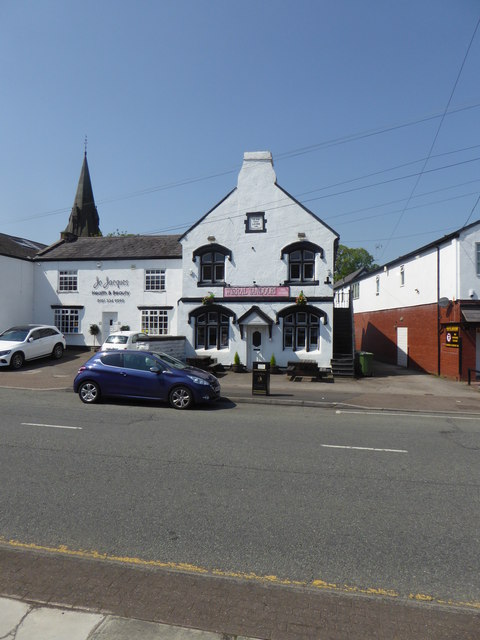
253,277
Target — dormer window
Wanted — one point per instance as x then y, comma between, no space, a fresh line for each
301,262
212,264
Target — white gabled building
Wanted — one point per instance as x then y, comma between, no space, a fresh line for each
246,262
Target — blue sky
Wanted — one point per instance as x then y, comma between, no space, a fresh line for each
347,95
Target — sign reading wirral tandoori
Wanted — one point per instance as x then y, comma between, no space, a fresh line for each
252,292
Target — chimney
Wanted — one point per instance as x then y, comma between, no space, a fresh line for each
257,168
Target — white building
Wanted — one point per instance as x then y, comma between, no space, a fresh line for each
17,272
253,277
249,258
422,310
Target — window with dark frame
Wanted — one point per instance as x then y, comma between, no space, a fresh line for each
211,330
301,331
212,267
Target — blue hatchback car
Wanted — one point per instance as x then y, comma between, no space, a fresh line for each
144,375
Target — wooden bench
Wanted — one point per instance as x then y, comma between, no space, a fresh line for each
307,369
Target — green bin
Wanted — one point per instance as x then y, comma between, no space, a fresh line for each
364,363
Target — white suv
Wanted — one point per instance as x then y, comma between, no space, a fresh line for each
28,342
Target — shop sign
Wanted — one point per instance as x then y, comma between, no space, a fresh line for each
256,292
110,291
451,336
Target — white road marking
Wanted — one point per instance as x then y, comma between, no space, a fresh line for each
52,426
339,446
409,415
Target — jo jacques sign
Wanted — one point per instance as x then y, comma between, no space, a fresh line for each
256,292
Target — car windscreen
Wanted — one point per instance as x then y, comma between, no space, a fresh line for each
116,340
173,362
14,335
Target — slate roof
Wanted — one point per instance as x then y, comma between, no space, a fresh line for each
15,247
114,248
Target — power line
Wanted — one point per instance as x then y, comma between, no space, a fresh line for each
278,158
435,137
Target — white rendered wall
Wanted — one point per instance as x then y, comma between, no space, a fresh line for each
419,288
124,284
256,257
468,281
17,292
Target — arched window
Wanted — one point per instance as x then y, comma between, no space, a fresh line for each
212,325
212,264
301,328
211,330
301,262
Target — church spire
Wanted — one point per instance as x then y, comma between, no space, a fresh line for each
84,220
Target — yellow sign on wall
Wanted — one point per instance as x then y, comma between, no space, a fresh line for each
451,336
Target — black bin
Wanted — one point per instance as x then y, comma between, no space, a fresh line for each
261,379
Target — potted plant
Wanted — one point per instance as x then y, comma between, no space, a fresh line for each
273,365
237,366
94,331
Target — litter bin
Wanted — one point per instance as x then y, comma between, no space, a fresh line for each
261,379
364,363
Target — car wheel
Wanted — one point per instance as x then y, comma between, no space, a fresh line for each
89,392
57,352
181,398
16,361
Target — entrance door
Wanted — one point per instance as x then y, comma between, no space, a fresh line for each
109,323
256,344
402,346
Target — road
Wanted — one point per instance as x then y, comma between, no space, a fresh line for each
367,502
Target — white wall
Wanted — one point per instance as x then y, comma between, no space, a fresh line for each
419,286
256,257
123,280
468,279
17,292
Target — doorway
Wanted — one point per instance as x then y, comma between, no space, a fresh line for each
256,340
109,323
402,346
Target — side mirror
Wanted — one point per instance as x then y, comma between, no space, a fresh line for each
154,369
30,339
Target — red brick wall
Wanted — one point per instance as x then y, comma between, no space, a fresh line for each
376,332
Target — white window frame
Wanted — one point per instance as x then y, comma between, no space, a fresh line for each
477,254
154,279
402,275
67,320
377,285
67,280
356,290
155,322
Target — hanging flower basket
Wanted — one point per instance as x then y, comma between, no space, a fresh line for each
301,299
209,298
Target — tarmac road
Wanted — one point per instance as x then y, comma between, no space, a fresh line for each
225,604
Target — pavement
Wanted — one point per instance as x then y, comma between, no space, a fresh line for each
42,598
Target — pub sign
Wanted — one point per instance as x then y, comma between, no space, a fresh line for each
451,336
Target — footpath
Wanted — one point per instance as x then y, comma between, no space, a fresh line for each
45,597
